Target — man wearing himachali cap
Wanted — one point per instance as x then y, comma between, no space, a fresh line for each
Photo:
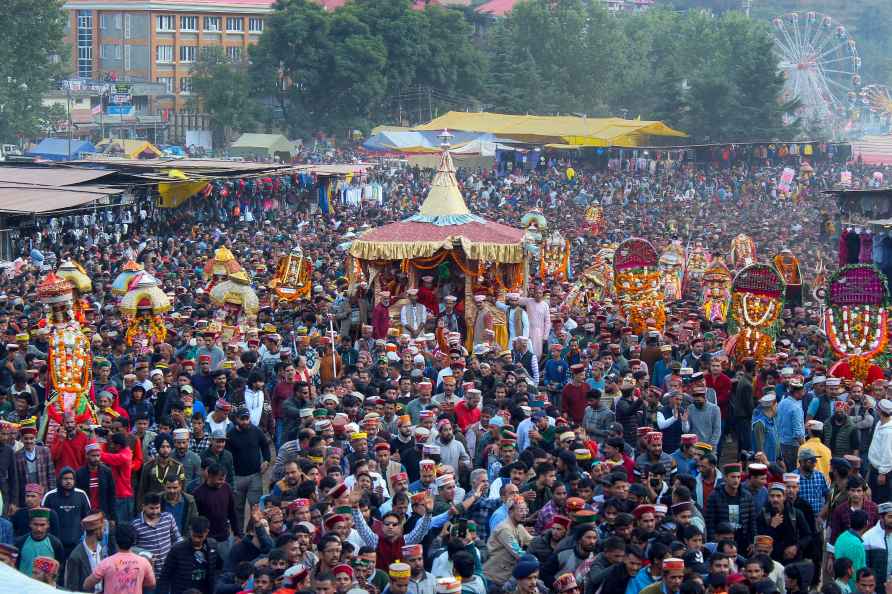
413,315
672,577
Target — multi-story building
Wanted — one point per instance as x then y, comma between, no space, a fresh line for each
158,40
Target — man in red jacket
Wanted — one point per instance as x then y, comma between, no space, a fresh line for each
119,458
721,384
68,447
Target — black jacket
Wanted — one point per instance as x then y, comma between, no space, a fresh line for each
8,476
78,568
794,530
106,488
58,550
72,508
181,570
611,581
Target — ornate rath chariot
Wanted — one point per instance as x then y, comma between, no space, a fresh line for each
69,361
294,277
716,291
143,306
856,321
743,252
637,279
757,298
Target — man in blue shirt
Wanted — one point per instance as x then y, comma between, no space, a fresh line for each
813,486
791,423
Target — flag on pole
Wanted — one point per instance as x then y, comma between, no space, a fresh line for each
96,109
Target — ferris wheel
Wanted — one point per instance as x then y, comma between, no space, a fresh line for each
876,108
820,63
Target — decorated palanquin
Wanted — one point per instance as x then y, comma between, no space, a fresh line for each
788,266
218,268
143,307
594,220
672,269
716,296
75,274
534,225
757,298
855,320
554,257
446,240
743,251
593,285
69,361
293,278
636,278
121,284
697,262
238,305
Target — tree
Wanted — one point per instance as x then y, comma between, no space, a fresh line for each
290,64
221,89
29,63
343,69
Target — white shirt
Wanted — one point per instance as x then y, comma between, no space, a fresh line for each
880,452
254,402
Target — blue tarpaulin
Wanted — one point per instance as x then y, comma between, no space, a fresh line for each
412,141
56,149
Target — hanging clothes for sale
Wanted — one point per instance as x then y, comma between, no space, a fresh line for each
856,246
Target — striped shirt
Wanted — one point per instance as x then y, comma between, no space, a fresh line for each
157,539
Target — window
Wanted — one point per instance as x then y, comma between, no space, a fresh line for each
127,56
166,22
104,21
164,54
85,44
127,22
234,53
212,23
118,21
186,85
187,53
189,23
235,24
255,25
110,51
167,81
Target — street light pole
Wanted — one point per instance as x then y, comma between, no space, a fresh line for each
68,96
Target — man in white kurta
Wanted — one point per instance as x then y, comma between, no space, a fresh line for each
518,320
540,320
880,453
413,315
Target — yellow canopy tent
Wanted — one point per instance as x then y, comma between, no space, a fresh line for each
132,149
174,193
569,130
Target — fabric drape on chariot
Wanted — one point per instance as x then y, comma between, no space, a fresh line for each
757,279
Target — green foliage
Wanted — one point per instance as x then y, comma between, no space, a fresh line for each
33,33
344,69
713,76
219,88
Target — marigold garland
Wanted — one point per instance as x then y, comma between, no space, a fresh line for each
641,298
152,328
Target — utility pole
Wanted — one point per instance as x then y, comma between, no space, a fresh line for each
68,97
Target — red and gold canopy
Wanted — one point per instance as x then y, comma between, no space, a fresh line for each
443,223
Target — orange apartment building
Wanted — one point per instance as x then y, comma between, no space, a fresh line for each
158,40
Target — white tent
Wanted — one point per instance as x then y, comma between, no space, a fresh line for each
14,582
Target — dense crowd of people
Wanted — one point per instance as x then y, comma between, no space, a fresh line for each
327,451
